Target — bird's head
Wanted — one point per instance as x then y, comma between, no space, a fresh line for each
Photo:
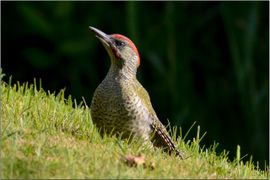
122,51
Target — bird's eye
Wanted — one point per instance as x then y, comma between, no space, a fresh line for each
119,44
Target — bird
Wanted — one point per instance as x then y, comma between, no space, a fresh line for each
120,104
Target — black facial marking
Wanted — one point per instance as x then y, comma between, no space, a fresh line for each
119,44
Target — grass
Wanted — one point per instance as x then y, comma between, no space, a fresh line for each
44,135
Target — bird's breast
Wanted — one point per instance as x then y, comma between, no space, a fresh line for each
118,103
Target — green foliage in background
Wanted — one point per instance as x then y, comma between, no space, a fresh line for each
200,61
45,135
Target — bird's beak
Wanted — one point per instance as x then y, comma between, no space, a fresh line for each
106,41
104,38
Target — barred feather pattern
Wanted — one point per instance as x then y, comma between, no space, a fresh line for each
162,139
124,106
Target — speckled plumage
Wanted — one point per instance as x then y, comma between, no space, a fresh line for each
120,103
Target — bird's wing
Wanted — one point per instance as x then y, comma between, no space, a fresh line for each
160,137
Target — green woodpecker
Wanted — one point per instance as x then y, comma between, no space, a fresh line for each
120,104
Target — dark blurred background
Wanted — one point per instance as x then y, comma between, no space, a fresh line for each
200,61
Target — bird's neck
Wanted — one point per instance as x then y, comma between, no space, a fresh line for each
123,72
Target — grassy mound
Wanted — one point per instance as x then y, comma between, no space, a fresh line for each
44,135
